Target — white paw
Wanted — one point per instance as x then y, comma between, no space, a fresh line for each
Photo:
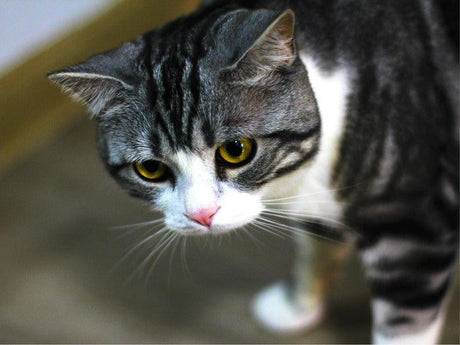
276,312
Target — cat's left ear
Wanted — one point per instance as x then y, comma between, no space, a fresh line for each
100,80
273,50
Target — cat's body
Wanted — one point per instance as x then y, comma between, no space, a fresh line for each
214,111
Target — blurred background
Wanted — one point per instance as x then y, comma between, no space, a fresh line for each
64,273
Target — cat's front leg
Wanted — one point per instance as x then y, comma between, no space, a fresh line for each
298,304
409,280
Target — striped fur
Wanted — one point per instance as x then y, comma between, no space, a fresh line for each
231,70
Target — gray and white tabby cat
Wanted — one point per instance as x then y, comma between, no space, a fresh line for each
353,103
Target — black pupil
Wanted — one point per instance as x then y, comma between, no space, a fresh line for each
151,166
234,148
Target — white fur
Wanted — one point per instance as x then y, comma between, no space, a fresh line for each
313,181
316,198
81,75
426,336
331,91
198,188
276,312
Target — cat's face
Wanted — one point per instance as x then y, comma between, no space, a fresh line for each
198,130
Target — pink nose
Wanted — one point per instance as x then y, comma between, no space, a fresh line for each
204,216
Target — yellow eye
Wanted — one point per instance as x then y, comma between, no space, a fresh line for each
236,152
152,170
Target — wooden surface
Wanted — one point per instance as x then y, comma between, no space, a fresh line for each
32,110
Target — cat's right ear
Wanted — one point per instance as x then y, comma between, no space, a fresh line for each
272,50
97,81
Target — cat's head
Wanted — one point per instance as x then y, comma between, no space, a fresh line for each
199,116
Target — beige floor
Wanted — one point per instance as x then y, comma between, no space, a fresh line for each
58,249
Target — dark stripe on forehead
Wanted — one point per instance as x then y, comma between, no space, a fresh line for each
198,52
160,108
172,75
155,143
153,89
183,51
208,132
174,87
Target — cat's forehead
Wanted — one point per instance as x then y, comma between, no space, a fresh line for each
209,38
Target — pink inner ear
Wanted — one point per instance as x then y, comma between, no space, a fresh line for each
204,216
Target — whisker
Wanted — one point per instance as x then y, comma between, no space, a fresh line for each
304,202
311,220
174,247
312,193
128,232
299,213
137,225
296,230
260,226
281,226
304,217
166,236
184,257
160,253
255,240
135,247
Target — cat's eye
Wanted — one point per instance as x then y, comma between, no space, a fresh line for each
236,152
152,170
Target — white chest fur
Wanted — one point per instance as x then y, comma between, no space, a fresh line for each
309,189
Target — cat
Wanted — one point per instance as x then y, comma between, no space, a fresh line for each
345,112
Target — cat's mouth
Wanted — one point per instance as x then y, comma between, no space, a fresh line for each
190,228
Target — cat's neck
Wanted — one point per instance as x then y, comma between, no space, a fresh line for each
331,89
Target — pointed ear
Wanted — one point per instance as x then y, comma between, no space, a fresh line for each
94,90
274,49
98,81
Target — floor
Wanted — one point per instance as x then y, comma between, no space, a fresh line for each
65,278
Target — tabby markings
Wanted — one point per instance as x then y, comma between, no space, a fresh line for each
331,91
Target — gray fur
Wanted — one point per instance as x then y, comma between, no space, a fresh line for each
231,70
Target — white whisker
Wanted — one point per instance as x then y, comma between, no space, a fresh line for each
260,226
304,217
135,247
137,225
160,253
166,236
303,202
184,257
256,241
295,230
174,247
310,194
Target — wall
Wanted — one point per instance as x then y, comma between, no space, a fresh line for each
27,25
